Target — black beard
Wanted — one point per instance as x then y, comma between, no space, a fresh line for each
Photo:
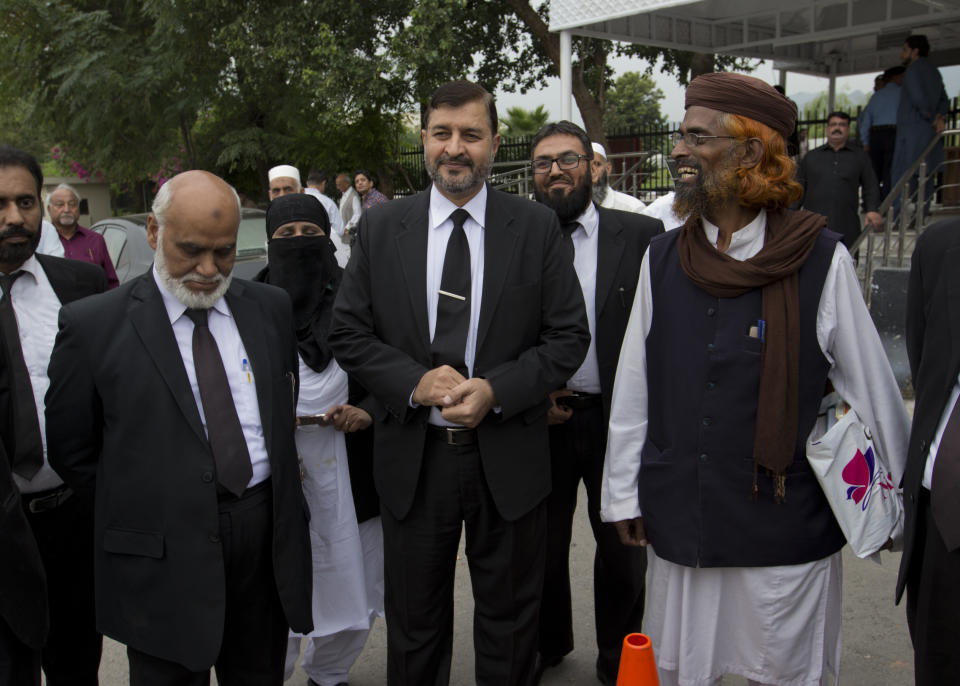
568,207
21,252
475,179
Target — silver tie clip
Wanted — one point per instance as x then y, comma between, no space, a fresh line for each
451,295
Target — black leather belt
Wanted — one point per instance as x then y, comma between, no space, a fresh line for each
42,501
581,401
452,435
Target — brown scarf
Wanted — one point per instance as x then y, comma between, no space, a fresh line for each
789,239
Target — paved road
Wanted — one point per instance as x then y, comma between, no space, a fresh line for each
876,650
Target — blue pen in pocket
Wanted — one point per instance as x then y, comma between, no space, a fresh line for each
245,366
762,330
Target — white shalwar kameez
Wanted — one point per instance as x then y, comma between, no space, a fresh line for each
347,558
772,625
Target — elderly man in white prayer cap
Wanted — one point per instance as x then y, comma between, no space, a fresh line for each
284,179
603,194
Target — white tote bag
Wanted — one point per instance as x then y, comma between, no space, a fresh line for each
858,485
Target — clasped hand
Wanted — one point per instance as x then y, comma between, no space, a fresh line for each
462,401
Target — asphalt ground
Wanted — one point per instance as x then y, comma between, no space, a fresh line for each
876,645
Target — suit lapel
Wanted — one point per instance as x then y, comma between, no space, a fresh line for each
499,237
953,307
609,253
411,243
152,324
250,325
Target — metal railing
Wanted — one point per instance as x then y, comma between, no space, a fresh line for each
906,212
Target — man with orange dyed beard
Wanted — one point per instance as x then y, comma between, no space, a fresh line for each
740,318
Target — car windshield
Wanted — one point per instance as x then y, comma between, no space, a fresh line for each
252,237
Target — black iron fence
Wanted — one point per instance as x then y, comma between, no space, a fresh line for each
639,158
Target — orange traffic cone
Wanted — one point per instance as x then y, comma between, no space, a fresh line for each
637,665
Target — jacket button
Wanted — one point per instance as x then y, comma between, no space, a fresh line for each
214,538
206,477
704,457
707,421
711,385
709,346
711,311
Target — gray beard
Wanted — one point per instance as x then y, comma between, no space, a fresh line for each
178,286
600,191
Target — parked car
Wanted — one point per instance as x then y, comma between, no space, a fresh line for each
126,239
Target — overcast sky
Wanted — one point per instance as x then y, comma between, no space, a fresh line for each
672,105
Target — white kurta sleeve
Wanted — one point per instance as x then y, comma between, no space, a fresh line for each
859,368
628,413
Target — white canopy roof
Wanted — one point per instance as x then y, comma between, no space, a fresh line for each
821,37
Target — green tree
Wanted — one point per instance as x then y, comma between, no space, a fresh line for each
523,122
633,104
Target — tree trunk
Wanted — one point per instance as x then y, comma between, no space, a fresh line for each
590,108
702,63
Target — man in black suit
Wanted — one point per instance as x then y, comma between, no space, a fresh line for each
173,395
32,289
460,312
930,566
608,248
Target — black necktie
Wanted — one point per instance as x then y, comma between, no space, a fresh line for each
568,229
945,486
28,447
223,426
453,305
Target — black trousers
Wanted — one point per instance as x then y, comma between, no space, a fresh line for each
420,556
64,534
933,602
19,663
882,141
255,628
577,447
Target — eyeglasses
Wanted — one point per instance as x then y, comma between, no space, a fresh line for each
64,203
691,139
543,165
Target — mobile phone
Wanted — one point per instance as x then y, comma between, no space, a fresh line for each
308,419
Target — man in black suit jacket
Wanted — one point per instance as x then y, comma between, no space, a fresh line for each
462,371
930,568
54,523
608,249
201,543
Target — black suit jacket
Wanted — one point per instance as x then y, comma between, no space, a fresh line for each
532,335
23,592
621,244
933,348
121,417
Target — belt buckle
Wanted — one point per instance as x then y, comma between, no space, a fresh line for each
450,435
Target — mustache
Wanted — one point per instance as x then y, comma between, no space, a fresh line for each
219,278
16,230
459,159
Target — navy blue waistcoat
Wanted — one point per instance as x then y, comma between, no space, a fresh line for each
697,470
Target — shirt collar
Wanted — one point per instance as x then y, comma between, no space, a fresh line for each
846,146
441,207
589,220
745,236
30,266
174,307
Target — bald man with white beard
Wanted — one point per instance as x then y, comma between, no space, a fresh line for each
172,396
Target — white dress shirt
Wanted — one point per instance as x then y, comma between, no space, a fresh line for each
662,209
927,480
36,308
236,363
50,243
585,240
333,212
439,229
615,200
